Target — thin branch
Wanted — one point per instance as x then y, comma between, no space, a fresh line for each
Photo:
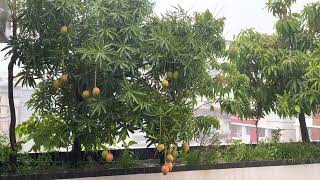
20,17
202,106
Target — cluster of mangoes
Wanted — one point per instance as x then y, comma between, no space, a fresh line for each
167,167
170,76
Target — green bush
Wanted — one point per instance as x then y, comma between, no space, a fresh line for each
265,151
4,149
193,157
28,164
237,152
206,156
298,151
128,159
210,156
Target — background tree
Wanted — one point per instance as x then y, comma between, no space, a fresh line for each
297,36
276,72
244,89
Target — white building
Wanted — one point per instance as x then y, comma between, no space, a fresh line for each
21,96
234,128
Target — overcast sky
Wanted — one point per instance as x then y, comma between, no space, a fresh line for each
239,14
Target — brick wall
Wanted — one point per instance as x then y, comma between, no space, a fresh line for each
234,119
253,134
315,132
316,120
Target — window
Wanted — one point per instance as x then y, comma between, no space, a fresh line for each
4,125
236,131
4,111
310,133
248,130
262,132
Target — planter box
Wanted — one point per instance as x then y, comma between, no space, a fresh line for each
151,167
140,153
238,170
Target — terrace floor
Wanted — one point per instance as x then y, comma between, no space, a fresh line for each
291,172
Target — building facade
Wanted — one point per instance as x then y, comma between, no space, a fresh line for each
247,131
21,96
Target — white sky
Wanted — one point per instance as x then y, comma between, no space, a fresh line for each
239,14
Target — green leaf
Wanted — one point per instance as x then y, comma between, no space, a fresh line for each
132,143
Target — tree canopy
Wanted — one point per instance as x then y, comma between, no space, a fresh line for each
276,72
103,69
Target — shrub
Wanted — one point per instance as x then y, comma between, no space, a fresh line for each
193,157
265,151
4,148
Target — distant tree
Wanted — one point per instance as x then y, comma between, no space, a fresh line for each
297,42
247,92
274,73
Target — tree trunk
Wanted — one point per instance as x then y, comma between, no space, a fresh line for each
12,128
76,151
76,147
13,120
162,158
257,131
303,128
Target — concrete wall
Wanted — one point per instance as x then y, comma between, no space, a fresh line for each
21,96
294,172
288,135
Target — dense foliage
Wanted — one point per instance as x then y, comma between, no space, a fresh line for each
104,69
98,48
236,152
4,148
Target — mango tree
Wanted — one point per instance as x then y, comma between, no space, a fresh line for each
106,68
178,51
80,55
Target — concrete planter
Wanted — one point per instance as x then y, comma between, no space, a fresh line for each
238,171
